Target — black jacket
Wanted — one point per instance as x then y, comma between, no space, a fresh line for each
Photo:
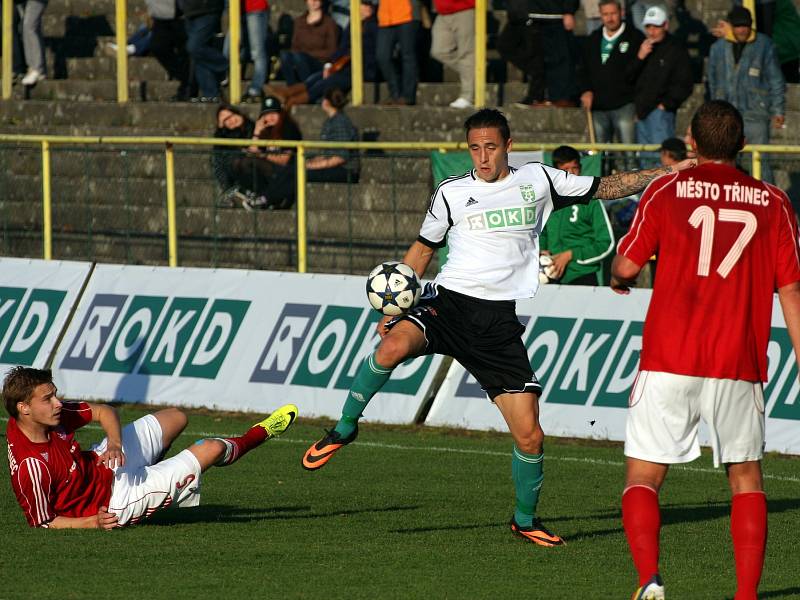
196,8
609,82
518,10
663,77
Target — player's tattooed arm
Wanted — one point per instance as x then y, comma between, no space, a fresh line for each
624,184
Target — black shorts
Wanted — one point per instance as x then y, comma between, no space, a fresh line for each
485,336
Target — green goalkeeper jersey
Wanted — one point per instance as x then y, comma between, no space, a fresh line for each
584,229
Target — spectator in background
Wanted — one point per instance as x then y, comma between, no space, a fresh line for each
533,26
337,72
32,41
591,13
786,37
340,12
335,166
663,76
606,90
231,124
398,24
202,20
453,44
268,174
314,39
254,45
743,69
673,151
577,238
168,44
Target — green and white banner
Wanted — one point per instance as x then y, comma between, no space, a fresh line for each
584,346
230,339
36,298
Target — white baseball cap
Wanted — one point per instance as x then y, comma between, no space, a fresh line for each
655,15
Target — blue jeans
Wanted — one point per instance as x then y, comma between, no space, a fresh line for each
618,123
298,66
210,65
757,132
406,36
255,34
317,85
654,129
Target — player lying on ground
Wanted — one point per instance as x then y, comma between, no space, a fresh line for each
491,218
121,480
725,242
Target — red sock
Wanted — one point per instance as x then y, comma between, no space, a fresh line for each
254,437
641,519
749,533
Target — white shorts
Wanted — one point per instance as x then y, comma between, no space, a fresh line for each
665,411
140,487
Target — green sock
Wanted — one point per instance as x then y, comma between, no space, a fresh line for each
528,473
370,378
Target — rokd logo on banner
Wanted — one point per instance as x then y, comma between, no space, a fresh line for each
308,348
155,335
595,361
33,321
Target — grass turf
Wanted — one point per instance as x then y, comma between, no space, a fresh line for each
402,513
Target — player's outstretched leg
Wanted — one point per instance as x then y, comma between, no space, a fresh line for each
274,425
370,378
521,413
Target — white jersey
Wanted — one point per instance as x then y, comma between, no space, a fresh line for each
492,229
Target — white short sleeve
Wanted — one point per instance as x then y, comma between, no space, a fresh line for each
567,189
438,220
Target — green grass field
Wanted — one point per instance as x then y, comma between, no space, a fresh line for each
403,513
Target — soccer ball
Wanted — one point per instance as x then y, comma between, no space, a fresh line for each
393,288
546,269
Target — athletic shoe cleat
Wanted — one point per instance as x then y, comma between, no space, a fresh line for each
279,421
652,590
537,533
321,452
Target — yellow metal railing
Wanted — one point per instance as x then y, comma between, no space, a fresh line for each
235,67
8,62
169,143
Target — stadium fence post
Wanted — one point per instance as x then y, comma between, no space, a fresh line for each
47,206
757,164
121,23
8,69
301,209
480,53
172,226
235,68
356,57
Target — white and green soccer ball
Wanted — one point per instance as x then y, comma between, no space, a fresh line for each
393,288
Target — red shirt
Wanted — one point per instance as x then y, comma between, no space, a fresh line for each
55,478
255,5
725,243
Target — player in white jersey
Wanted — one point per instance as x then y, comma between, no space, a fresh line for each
491,217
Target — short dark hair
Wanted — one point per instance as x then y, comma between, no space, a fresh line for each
564,154
19,384
336,97
675,147
604,2
488,117
718,130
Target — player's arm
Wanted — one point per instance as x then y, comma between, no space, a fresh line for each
628,183
419,257
623,274
789,296
109,420
102,520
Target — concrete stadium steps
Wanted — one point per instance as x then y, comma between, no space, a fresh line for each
190,164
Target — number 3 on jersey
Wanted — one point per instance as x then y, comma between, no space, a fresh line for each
705,218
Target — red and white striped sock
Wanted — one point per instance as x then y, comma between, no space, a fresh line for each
236,447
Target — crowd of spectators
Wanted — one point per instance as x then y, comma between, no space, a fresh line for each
628,66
